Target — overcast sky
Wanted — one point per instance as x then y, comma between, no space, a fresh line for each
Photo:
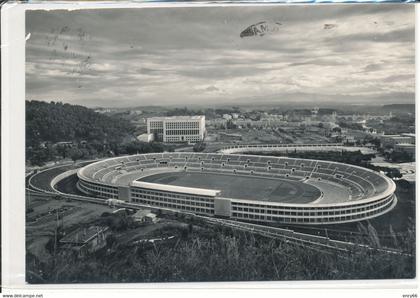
180,56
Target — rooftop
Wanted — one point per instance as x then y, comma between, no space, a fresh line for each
142,213
178,189
403,136
406,145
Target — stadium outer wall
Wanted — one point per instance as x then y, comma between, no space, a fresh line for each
210,203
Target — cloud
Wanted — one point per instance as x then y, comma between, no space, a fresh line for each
189,55
212,89
396,36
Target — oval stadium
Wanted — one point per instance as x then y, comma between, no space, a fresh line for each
243,187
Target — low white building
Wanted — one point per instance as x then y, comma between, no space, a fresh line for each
144,216
146,137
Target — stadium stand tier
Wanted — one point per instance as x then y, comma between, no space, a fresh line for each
253,148
243,187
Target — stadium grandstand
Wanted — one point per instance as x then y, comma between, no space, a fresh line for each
243,187
287,148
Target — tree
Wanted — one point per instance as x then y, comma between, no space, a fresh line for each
54,122
400,156
200,146
231,125
394,173
110,240
75,154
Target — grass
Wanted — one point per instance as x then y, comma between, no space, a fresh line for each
242,187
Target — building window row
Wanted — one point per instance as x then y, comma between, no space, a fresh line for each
332,208
308,219
140,191
313,212
158,198
174,206
182,132
100,191
156,124
181,125
97,187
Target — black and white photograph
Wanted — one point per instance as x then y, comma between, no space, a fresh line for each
234,143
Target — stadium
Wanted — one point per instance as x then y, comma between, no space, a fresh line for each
250,188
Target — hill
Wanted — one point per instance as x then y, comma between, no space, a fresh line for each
56,122
399,108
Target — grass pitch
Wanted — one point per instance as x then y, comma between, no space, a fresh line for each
242,187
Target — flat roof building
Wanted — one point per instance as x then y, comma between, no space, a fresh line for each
177,129
392,140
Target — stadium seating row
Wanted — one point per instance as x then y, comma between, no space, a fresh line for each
360,182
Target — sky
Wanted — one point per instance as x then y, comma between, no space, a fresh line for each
357,54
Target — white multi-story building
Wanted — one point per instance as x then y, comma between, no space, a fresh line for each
177,129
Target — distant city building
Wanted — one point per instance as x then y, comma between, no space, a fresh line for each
392,140
102,111
264,122
349,139
177,129
334,116
314,112
405,142
371,130
410,149
227,116
410,135
378,117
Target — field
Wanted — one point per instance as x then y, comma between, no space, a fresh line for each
242,187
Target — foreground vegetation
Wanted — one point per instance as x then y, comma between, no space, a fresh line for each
199,253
